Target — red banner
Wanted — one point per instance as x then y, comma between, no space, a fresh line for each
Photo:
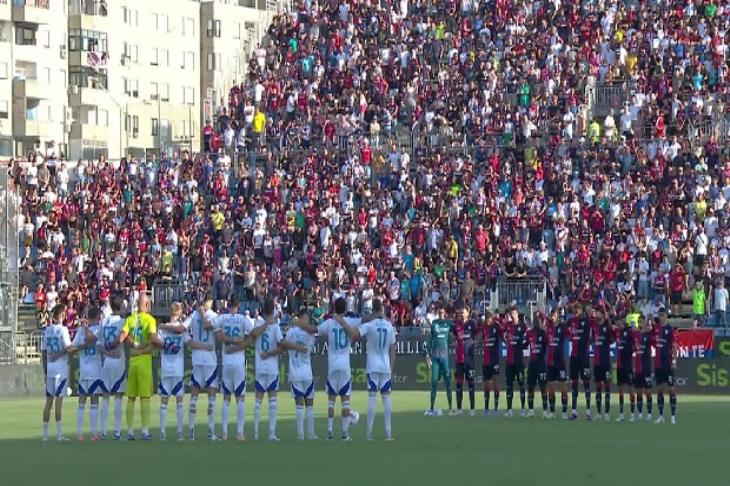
696,343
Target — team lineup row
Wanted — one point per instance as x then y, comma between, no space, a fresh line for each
583,328
103,372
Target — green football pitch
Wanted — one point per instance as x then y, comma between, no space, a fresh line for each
442,451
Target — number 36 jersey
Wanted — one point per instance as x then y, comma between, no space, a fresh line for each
268,341
338,344
234,326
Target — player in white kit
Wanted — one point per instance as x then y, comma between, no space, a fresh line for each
90,384
113,366
267,367
299,343
172,369
201,325
339,332
380,339
55,346
237,335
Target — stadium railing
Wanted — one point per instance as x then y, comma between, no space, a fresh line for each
164,294
527,293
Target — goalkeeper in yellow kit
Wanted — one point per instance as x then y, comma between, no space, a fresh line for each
140,331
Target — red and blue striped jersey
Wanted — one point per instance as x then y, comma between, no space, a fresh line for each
515,338
665,338
580,334
642,359
557,334
492,336
603,336
625,344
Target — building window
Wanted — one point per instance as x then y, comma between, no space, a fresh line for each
165,92
154,91
86,77
188,95
188,60
4,109
3,70
155,127
188,26
214,28
45,38
87,40
214,61
25,35
237,30
131,52
154,57
131,87
131,124
164,57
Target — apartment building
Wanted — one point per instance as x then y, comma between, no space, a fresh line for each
118,77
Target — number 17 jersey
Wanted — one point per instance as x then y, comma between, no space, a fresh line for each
379,336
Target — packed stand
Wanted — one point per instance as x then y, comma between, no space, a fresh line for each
312,193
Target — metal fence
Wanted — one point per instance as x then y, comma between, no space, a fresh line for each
607,97
8,267
526,293
163,295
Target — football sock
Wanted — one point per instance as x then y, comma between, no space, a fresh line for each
371,412
632,399
224,416
447,381
599,399
330,416
587,388
256,416
574,402
179,416
130,416
551,402
104,413
544,397
459,393
388,413
240,416
648,403
211,414
496,399
117,414
434,386
660,403
470,384
300,421
621,401
59,428
310,421
45,430
640,403
94,418
510,396
564,401
163,418
673,403
144,406
531,399
80,420
192,411
522,398
486,399
272,416
346,418
607,399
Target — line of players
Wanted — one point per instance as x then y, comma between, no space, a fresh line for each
103,374
546,341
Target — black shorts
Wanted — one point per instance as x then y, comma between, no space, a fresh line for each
490,372
536,373
602,374
664,377
515,372
465,371
642,381
580,369
624,377
556,373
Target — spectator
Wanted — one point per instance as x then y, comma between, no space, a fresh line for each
719,303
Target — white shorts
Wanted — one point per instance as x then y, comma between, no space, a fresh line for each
303,389
339,383
267,383
204,377
171,386
114,377
88,387
56,385
233,380
379,382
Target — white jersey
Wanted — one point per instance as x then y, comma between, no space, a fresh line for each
194,324
379,335
172,360
89,358
300,364
338,344
268,341
234,326
55,341
109,331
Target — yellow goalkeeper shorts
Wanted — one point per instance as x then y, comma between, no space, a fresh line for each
139,378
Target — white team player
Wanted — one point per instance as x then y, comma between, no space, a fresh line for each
201,325
172,369
237,335
113,367
339,332
90,384
267,367
55,346
299,343
380,339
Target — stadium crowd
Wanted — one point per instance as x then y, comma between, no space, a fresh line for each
307,187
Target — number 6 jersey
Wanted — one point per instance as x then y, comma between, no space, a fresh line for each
268,341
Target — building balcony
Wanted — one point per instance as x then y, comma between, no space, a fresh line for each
78,96
32,128
32,11
32,88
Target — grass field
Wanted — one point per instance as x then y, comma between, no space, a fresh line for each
440,451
